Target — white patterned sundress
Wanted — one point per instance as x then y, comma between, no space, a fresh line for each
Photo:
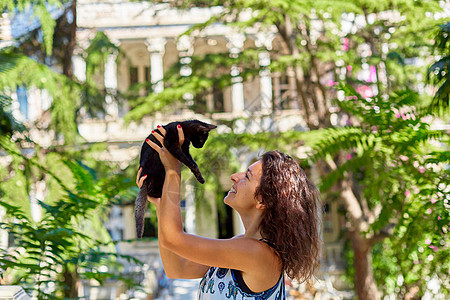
219,283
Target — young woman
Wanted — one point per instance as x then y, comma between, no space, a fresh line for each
279,209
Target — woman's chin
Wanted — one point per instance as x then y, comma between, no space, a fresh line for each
228,197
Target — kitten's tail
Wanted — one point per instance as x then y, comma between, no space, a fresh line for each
139,210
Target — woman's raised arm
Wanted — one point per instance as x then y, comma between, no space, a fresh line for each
175,266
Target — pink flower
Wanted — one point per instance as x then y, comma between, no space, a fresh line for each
407,193
403,157
435,249
427,241
330,82
439,217
348,156
433,200
374,129
345,46
372,74
349,68
403,116
422,169
429,211
397,115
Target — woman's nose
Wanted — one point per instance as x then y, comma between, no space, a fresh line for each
236,177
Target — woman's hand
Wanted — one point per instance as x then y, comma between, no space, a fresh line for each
140,182
168,160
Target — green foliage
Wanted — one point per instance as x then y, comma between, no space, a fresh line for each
399,164
39,9
8,124
68,237
19,70
69,243
438,73
68,96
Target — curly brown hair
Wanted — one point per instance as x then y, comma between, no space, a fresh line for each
291,220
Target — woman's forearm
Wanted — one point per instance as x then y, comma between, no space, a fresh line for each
173,263
176,266
170,214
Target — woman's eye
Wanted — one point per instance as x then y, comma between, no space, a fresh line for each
246,175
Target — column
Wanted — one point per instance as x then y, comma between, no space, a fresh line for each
189,222
293,102
264,40
185,49
236,44
112,109
141,79
5,29
277,90
34,103
79,67
37,193
156,47
79,71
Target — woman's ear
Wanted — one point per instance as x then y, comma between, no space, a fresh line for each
260,204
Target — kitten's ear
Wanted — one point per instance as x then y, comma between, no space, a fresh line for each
209,127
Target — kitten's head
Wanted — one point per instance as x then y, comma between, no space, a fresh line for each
200,133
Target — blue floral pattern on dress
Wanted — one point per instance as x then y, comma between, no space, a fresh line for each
222,272
221,287
210,288
211,271
202,284
232,290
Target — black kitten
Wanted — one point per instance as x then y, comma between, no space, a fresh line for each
194,131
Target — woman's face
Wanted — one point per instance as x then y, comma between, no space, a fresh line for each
241,194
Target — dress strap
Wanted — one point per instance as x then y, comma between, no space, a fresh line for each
268,243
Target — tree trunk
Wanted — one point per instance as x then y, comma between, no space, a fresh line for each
70,283
67,59
365,286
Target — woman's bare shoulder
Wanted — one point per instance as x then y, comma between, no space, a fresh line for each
238,236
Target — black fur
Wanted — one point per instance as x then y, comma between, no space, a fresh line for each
195,132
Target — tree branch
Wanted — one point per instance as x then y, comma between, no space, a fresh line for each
386,232
352,206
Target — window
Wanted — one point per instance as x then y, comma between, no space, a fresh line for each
327,219
218,99
10,240
147,74
22,98
133,75
283,91
148,84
